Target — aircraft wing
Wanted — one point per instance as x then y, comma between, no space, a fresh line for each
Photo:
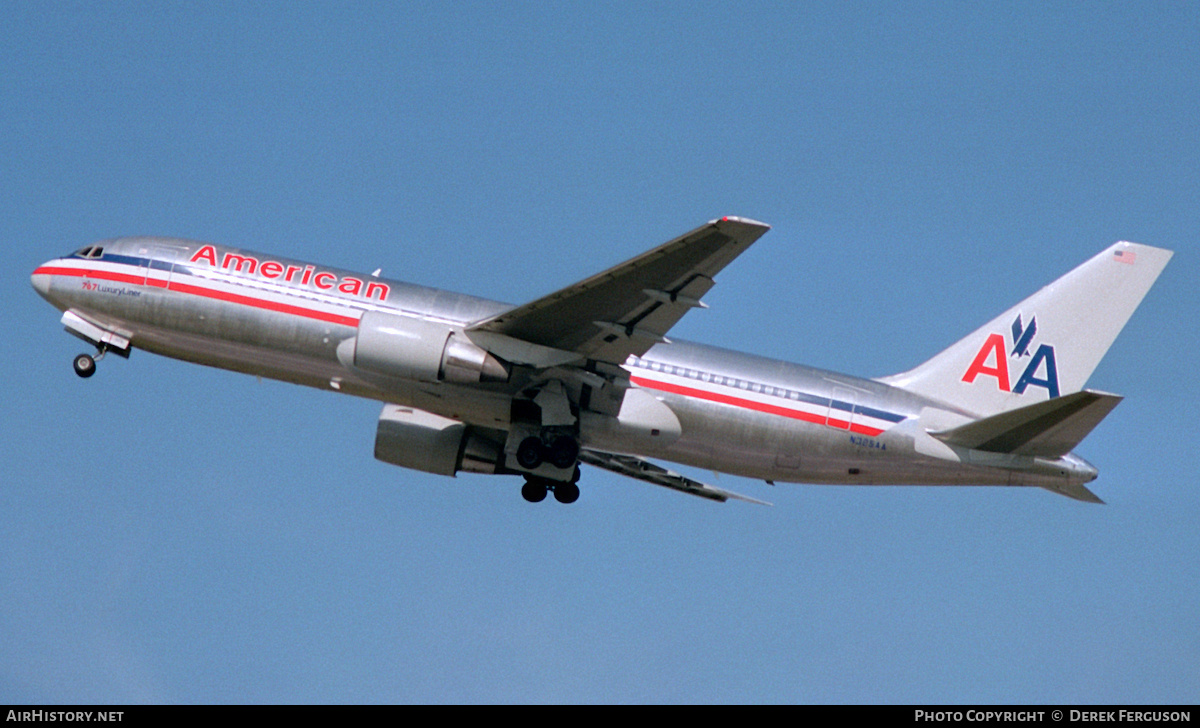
644,470
624,310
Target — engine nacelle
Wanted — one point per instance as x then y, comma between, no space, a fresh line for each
413,348
413,438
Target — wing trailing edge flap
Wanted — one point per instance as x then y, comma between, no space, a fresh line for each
646,471
624,310
1047,429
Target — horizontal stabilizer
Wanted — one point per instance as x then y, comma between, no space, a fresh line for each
1047,429
646,471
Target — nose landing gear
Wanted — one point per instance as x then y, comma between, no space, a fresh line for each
85,365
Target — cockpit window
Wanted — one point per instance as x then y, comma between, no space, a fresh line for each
97,252
91,251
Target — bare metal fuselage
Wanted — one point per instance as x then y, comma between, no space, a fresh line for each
737,413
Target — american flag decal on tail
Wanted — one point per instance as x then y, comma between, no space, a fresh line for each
1125,256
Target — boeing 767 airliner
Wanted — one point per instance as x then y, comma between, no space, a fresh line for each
587,375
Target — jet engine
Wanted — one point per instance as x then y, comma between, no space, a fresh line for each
413,348
413,438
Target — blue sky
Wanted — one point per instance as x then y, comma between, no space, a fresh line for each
172,533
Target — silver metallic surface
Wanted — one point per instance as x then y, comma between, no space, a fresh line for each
426,353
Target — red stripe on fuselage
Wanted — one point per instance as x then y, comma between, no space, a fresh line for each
332,318
90,273
754,405
264,304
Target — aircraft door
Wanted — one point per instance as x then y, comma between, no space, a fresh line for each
841,408
157,263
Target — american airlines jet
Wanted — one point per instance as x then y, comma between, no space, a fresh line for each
588,376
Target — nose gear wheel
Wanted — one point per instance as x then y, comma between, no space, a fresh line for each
85,365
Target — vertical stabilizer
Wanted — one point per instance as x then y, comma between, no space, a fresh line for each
1047,345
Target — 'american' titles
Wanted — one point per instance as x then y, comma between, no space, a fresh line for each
308,275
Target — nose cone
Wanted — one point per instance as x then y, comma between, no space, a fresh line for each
41,281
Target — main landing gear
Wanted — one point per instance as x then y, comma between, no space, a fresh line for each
562,452
535,489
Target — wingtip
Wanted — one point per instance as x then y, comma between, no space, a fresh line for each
728,495
741,221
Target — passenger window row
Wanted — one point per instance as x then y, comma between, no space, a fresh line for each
755,387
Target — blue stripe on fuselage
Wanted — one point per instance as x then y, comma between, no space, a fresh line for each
789,394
